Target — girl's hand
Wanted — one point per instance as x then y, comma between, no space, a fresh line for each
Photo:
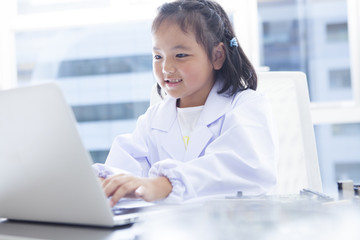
125,185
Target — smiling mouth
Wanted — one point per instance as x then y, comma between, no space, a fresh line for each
173,80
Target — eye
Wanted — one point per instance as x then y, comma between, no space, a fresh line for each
157,57
181,55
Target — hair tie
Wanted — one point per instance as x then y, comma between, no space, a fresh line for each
233,42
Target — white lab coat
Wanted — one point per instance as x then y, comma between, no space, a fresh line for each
233,147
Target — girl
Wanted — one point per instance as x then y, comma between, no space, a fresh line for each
212,133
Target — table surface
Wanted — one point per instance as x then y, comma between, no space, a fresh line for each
27,230
245,218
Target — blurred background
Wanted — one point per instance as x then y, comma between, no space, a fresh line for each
99,51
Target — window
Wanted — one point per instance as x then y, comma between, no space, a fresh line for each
39,6
52,39
105,66
296,37
336,32
346,130
281,45
105,72
339,79
99,51
339,153
312,36
110,112
348,170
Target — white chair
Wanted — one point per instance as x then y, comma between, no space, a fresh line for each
298,165
288,94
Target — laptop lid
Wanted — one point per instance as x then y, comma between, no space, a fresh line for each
45,171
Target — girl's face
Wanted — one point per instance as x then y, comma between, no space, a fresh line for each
181,66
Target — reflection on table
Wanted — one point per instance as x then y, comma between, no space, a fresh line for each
269,218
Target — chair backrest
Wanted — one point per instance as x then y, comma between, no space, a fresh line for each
288,94
298,165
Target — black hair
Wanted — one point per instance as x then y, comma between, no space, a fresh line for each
211,25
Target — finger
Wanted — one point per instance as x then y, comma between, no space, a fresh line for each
125,190
108,180
140,192
113,184
101,180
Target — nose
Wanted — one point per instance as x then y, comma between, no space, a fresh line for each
168,67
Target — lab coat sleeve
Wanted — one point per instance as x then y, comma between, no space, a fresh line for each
242,158
128,154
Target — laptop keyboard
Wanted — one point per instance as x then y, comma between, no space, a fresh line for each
130,206
121,211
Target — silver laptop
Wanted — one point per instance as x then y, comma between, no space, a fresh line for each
45,171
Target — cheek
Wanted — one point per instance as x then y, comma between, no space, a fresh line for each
188,70
194,72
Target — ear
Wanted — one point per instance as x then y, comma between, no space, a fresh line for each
218,56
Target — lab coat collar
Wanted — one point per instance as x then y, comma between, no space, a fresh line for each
168,130
215,106
166,115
